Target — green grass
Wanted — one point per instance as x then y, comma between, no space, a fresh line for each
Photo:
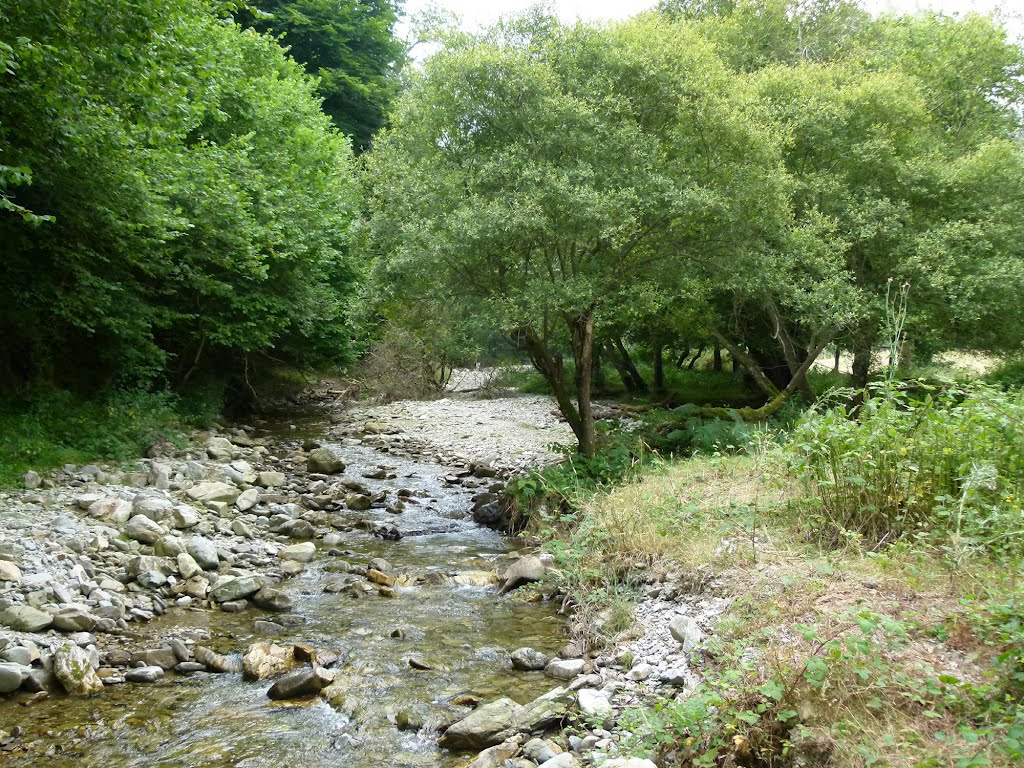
57,427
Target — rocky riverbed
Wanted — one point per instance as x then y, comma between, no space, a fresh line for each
313,588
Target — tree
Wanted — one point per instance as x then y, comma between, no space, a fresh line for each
202,199
350,45
545,174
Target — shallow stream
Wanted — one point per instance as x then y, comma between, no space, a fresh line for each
221,720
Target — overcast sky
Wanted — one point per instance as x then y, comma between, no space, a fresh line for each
475,13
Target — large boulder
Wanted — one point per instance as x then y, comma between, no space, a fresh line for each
72,668
264,659
206,493
183,516
272,600
25,618
595,705
220,448
325,461
686,631
484,727
73,619
528,659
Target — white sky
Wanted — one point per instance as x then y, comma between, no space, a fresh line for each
475,13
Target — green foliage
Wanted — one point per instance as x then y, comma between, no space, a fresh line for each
59,427
349,45
948,463
1008,375
202,200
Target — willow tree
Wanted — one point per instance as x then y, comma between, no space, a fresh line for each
543,174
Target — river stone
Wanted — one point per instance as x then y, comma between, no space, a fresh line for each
204,553
247,500
144,674
220,448
484,727
564,669
377,577
525,570
265,659
324,461
301,553
541,751
25,618
73,620
686,631
142,529
169,546
300,529
497,756
238,588
164,658
595,705
527,659
188,667
270,479
628,762
111,510
11,676
272,600
20,654
31,480
184,516
187,566
74,671
206,493
545,711
358,502
154,507
214,661
301,682
9,571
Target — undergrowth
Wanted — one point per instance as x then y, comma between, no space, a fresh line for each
57,427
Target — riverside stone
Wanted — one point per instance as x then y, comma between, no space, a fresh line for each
73,620
302,553
486,726
25,618
111,510
141,528
206,493
272,600
144,674
238,588
525,570
324,461
686,631
564,669
214,661
247,500
527,659
9,571
12,676
164,658
187,566
204,553
270,479
73,669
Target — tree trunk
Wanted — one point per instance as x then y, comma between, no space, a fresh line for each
638,385
780,399
835,365
717,362
863,344
554,374
598,372
582,330
681,360
749,365
659,368
789,350
696,357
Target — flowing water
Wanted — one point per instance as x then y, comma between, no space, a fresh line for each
221,720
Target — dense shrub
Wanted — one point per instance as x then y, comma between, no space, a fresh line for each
950,462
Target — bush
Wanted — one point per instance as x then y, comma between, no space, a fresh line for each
1008,375
951,462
